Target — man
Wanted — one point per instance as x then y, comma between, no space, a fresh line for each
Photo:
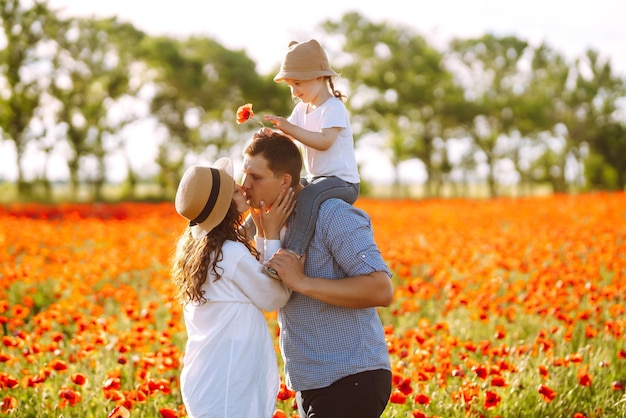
331,337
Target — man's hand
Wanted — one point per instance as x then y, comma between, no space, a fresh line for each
290,268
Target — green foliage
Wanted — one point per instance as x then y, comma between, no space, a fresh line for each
419,99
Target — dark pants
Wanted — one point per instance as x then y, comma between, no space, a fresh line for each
361,395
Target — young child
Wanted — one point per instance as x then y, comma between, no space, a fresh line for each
320,123
229,367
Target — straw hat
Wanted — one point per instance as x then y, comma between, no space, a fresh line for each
304,61
204,195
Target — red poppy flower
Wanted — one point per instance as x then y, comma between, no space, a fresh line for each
245,112
397,397
58,365
8,403
168,413
584,378
79,378
279,413
492,399
480,370
119,412
547,393
422,399
498,381
69,396
405,386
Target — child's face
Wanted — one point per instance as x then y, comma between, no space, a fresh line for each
306,90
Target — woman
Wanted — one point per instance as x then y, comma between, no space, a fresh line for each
230,367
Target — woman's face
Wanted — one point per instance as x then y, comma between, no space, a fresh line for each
240,199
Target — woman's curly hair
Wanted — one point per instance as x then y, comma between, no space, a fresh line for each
193,258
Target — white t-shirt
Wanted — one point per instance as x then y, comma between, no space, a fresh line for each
339,160
230,368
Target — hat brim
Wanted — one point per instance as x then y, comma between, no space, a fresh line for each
303,75
225,166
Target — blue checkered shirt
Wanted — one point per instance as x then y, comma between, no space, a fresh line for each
322,343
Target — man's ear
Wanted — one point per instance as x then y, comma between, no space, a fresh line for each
286,180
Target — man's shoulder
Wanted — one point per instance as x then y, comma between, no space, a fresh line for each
334,207
334,204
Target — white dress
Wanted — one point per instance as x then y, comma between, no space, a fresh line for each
230,367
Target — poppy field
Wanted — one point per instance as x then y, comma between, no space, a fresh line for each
503,307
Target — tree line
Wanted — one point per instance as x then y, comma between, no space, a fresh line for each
466,112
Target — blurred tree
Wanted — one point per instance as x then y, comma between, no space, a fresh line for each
92,73
605,168
400,88
581,115
607,137
199,85
26,28
490,66
546,84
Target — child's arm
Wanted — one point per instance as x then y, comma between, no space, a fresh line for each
320,141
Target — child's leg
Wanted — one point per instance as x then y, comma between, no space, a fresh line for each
305,213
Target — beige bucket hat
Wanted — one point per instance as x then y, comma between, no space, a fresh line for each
204,195
304,61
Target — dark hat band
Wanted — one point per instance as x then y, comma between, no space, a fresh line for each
210,204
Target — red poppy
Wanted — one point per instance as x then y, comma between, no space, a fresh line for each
8,403
422,399
244,113
279,413
617,385
584,378
58,365
498,381
492,399
79,379
397,397
69,396
547,393
168,413
119,412
480,370
405,386
8,381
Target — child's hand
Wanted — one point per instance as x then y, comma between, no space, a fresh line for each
278,121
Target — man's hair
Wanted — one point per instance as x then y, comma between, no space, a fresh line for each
280,152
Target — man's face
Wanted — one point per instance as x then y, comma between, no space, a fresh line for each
259,182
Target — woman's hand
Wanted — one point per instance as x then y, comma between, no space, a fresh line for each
270,221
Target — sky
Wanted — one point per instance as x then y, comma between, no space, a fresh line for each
264,29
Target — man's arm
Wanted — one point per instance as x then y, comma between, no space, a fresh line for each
366,291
